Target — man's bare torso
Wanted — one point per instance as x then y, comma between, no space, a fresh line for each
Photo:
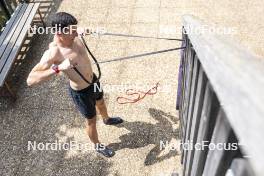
78,57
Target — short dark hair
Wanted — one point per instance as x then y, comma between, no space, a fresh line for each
62,19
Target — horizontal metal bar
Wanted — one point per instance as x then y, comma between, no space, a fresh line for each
139,36
140,55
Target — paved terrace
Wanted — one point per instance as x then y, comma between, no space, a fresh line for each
45,113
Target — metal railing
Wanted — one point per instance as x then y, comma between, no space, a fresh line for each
221,102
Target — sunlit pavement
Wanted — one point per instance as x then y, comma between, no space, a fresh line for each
45,113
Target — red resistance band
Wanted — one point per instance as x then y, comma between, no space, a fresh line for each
139,95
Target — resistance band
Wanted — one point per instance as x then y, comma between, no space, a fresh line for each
130,92
139,95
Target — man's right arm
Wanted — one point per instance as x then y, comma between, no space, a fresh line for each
42,71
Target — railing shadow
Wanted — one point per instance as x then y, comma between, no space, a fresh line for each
143,134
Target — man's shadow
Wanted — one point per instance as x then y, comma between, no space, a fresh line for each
143,134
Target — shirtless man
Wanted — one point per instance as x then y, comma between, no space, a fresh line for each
65,53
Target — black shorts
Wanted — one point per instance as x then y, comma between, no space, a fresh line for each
86,98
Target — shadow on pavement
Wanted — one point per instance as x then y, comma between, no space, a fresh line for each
143,134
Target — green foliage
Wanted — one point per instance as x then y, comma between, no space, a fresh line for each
3,20
10,5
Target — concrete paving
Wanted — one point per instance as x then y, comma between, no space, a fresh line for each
46,114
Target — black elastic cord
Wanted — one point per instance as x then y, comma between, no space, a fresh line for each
95,60
140,36
79,73
123,58
140,55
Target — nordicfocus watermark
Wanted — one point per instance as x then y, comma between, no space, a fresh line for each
71,145
164,29
189,145
206,29
123,87
203,29
66,30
